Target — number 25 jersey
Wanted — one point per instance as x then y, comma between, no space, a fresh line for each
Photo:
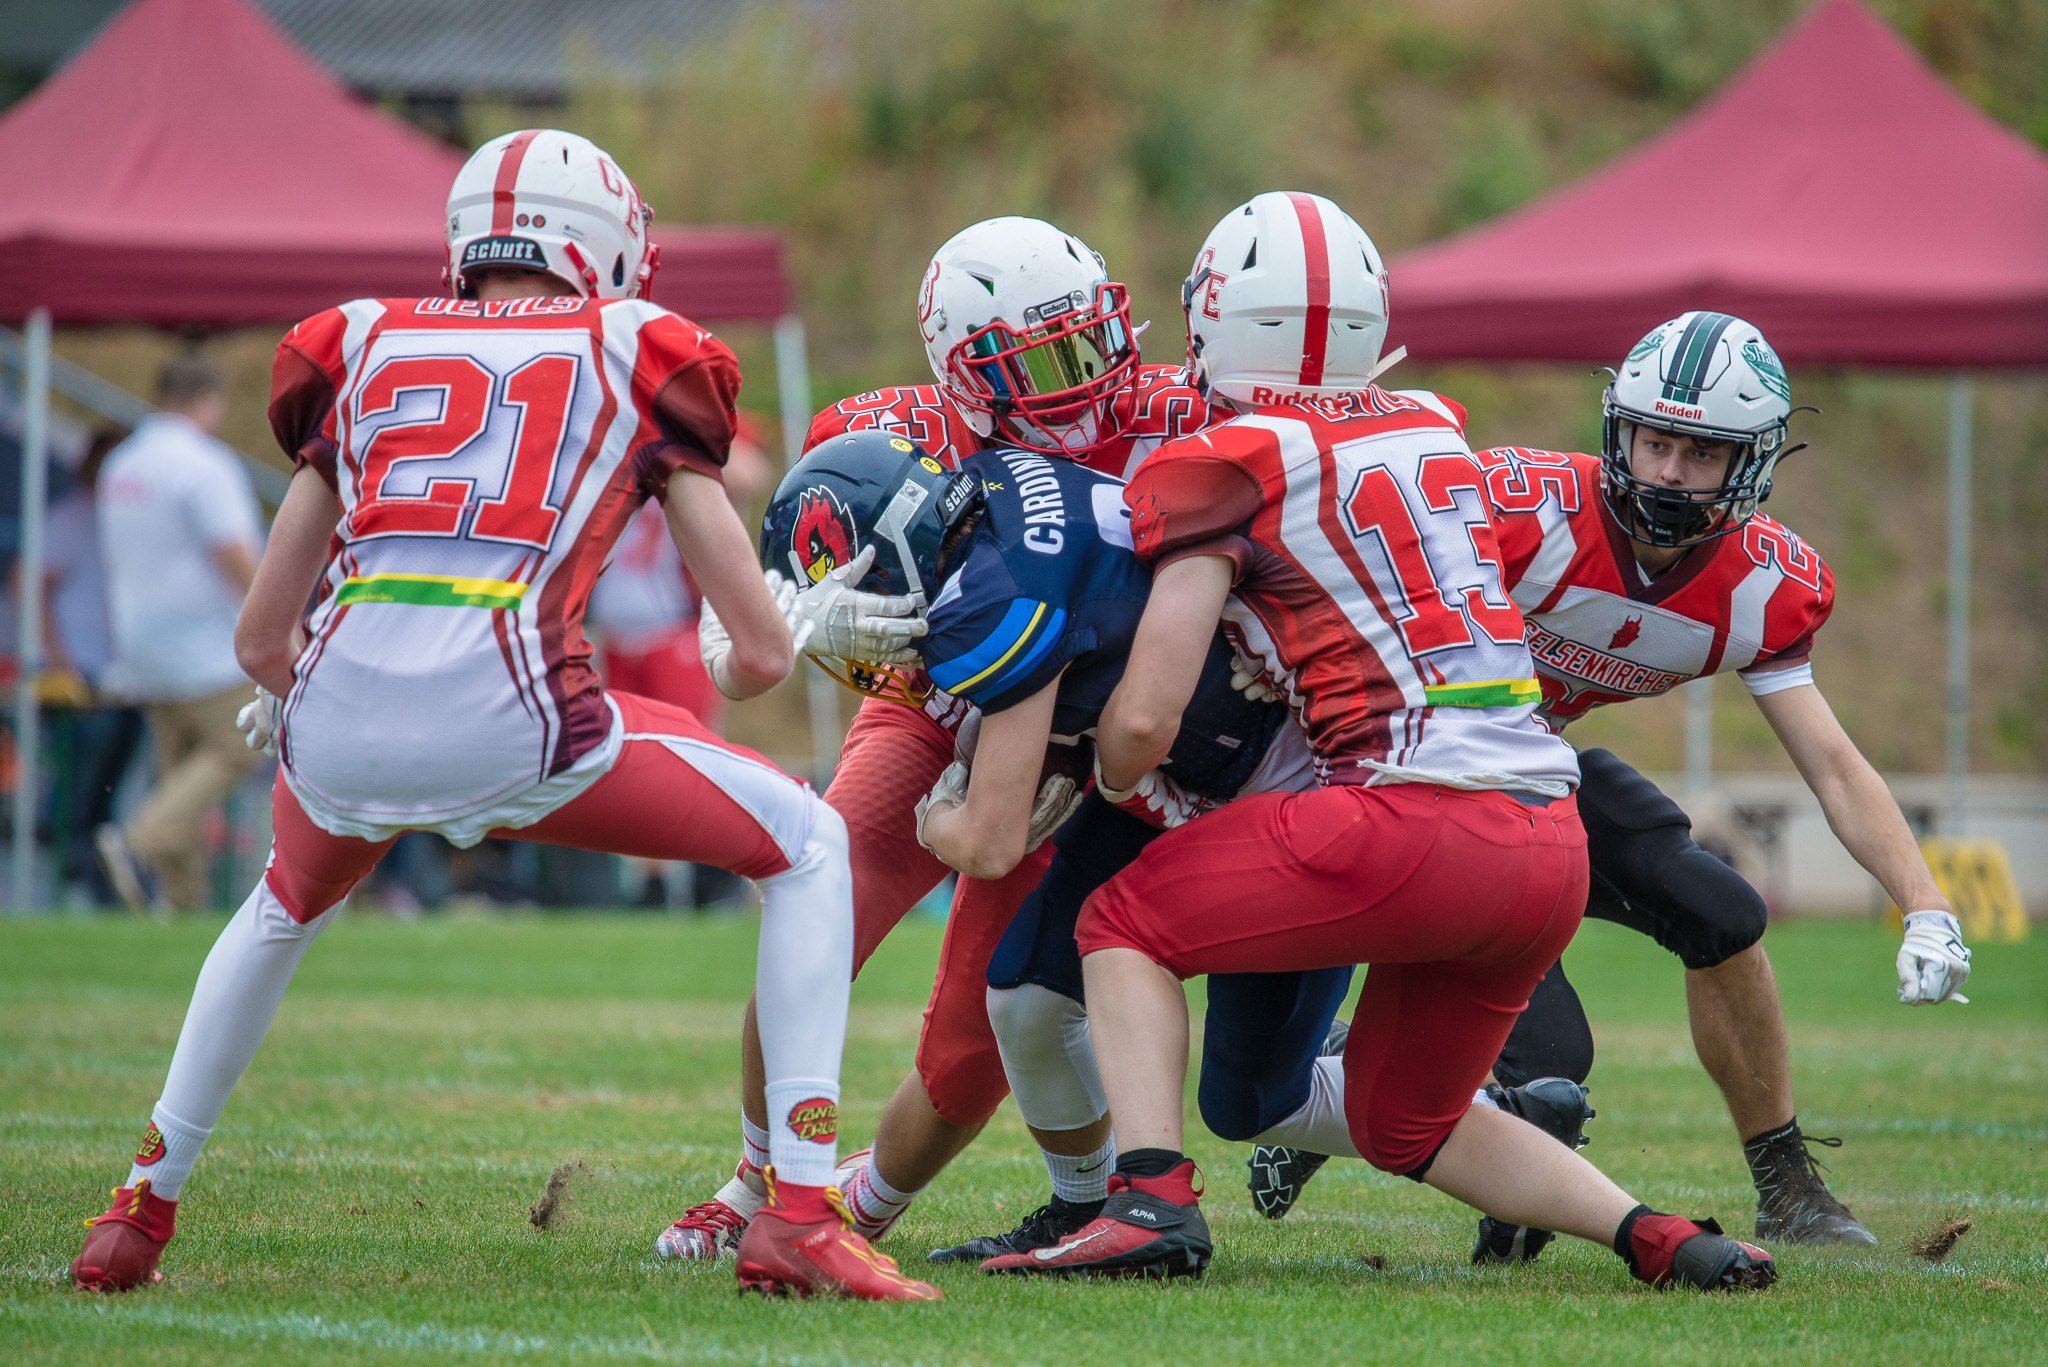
487,455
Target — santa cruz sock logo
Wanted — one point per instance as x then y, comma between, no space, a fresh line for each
152,1147
816,1120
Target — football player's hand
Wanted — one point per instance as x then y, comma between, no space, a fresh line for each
787,600
1933,962
1057,798
872,628
1249,678
1154,799
260,721
949,791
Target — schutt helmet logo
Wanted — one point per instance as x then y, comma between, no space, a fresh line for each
816,1120
1625,634
823,535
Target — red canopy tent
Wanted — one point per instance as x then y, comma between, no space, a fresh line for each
1834,192
192,165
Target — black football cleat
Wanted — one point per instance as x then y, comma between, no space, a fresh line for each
1669,1250
1793,1203
1557,1106
1150,1227
1278,1172
1042,1228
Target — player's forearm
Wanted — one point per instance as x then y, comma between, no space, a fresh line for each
267,639
1142,719
975,842
720,556
1863,816
1859,808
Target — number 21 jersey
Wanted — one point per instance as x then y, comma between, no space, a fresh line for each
487,455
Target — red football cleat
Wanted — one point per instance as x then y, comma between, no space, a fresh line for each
802,1243
1149,1227
711,1230
1666,1250
122,1249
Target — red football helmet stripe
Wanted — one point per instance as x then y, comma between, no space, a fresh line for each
1315,334
508,176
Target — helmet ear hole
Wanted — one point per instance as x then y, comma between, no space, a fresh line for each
619,270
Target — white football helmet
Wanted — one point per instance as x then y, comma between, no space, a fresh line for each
1027,334
1287,300
544,200
1703,375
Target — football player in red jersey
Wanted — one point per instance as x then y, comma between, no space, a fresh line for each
464,468
1341,533
1638,571
1031,345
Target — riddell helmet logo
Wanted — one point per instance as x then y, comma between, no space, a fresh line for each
1679,410
815,1120
152,1147
822,539
1625,634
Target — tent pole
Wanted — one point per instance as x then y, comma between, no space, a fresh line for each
35,450
793,385
1956,786
1699,737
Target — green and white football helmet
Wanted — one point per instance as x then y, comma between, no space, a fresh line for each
1704,375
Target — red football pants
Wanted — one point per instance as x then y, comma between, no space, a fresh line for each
892,757
667,670
651,804
1459,902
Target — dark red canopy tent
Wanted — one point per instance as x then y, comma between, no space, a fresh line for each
193,166
1834,192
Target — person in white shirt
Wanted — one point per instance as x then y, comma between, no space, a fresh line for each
179,536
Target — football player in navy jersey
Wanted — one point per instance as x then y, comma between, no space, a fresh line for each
1034,594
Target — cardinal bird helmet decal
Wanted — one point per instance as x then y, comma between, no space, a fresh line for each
822,536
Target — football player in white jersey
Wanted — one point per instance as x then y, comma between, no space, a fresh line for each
1639,570
465,466
1339,532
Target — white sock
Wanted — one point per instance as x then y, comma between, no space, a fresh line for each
1082,1179
169,1148
238,992
873,1200
753,1142
1319,1125
803,975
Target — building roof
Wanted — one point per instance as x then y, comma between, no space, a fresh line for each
514,48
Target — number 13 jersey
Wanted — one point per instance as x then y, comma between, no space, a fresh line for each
1368,580
487,456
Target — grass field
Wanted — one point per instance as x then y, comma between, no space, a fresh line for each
365,1196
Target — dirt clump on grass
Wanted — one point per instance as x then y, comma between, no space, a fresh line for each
556,1194
1937,1241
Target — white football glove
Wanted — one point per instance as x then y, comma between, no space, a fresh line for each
951,790
1933,962
260,721
1058,796
1248,678
872,628
1154,799
714,643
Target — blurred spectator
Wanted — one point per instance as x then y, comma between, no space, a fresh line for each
646,607
93,736
179,535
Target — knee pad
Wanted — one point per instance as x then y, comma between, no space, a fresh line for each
1047,1056
1649,874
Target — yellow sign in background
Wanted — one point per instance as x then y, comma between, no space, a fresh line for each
1976,877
